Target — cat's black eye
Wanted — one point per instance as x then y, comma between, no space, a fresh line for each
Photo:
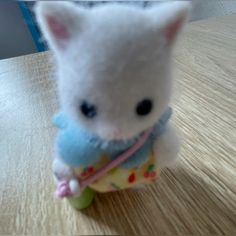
144,107
88,110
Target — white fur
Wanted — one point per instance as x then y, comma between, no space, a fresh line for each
116,56
74,187
167,147
61,171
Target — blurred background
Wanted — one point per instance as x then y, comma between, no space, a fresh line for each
21,36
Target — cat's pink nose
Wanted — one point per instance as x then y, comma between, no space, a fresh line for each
115,134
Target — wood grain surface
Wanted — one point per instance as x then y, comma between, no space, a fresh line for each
197,196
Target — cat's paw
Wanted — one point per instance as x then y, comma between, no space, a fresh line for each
167,147
75,187
65,180
69,188
61,171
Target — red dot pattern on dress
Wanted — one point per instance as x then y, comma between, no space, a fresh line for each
150,173
87,171
131,178
83,174
146,174
90,169
153,174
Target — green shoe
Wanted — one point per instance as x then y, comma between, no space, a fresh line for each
84,200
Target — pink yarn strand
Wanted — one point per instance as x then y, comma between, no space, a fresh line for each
124,156
63,189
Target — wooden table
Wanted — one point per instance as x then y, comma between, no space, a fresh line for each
198,196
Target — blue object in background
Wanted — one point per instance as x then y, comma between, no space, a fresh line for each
32,26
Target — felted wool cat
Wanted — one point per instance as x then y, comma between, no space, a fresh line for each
114,85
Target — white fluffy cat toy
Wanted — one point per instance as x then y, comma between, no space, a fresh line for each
114,83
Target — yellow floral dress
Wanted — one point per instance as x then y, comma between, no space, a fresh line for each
76,149
121,178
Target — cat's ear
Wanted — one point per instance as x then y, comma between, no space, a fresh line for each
59,22
170,17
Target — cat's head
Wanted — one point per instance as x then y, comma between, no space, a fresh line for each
114,62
